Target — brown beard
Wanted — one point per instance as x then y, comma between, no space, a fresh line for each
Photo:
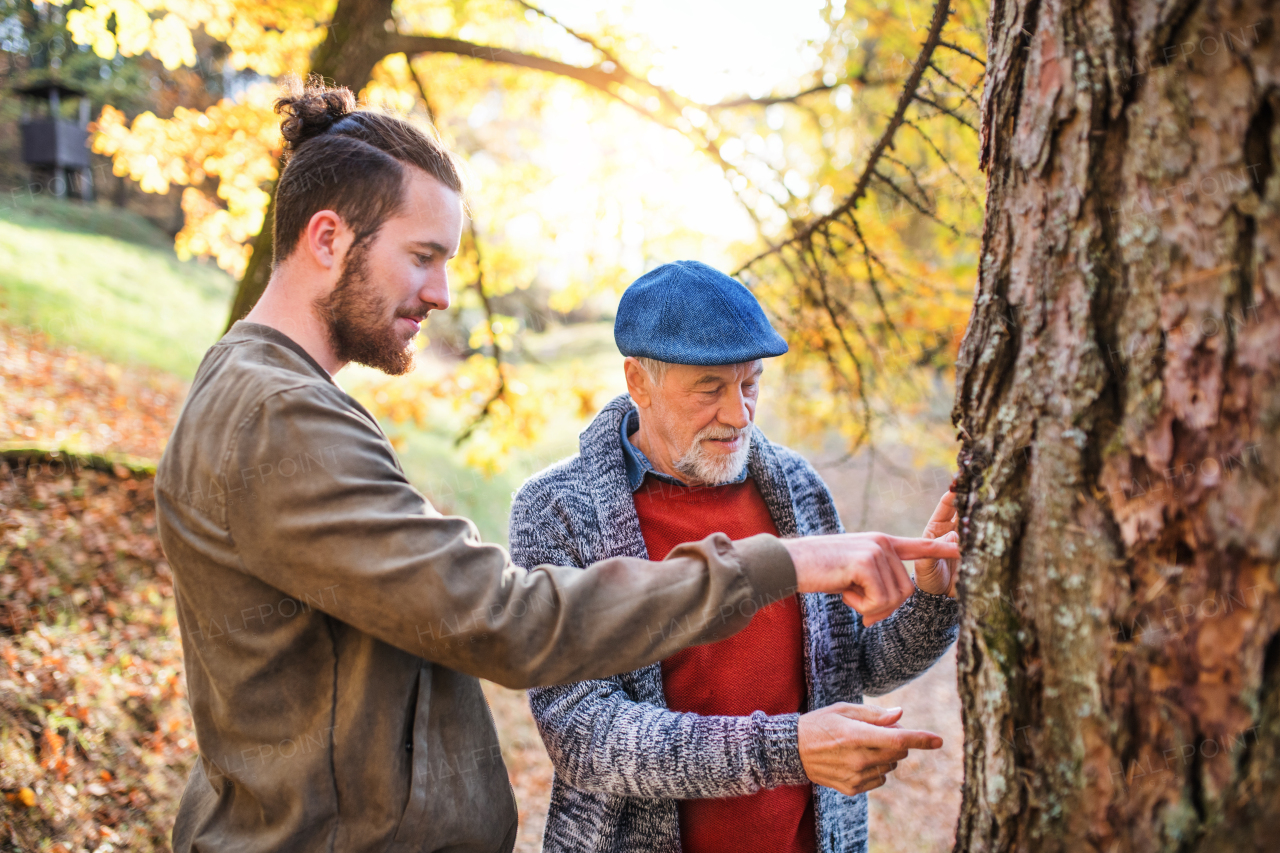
357,320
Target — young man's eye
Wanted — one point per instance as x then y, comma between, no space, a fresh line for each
423,259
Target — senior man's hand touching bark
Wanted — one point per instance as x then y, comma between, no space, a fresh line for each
852,748
939,576
866,569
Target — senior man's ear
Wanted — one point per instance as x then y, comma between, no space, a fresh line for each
639,382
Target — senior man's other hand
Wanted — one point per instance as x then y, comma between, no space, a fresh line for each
866,569
939,576
852,748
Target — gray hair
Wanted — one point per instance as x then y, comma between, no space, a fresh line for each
657,370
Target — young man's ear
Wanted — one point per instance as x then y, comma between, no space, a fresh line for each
324,238
639,382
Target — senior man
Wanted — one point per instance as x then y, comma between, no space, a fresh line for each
333,623
755,742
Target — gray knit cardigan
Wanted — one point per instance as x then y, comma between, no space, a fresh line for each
621,757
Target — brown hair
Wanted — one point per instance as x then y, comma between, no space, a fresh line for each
346,160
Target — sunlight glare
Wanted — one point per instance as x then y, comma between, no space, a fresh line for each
707,50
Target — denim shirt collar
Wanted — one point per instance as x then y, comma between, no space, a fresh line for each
638,464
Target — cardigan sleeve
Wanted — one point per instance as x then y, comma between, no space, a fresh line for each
892,652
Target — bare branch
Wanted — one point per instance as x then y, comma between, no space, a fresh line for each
422,90
867,257
595,76
924,194
968,94
944,160
897,190
478,285
769,100
904,100
844,340
945,110
960,50
585,39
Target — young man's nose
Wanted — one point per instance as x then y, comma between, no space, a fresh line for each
436,291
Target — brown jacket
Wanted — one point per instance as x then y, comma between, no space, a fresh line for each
334,625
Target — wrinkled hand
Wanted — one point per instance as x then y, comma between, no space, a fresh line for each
852,748
935,575
864,568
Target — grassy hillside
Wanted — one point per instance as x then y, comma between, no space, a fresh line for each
107,281
107,284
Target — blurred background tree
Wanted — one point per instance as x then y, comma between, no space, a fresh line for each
601,143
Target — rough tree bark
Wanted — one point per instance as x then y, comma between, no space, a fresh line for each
1120,416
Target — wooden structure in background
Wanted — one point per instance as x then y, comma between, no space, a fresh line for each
56,149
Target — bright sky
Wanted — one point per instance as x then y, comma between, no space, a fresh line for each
710,49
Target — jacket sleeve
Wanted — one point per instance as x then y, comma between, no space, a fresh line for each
895,650
601,739
426,584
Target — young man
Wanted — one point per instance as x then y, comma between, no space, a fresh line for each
722,748
333,624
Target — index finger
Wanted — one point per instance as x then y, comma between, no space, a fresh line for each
908,548
895,738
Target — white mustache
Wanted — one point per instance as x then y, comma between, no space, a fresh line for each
720,432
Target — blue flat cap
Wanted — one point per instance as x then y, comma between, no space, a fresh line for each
686,312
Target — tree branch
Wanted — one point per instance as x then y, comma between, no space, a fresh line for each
945,161
585,39
898,191
478,284
769,100
968,95
422,90
945,110
595,76
960,50
882,144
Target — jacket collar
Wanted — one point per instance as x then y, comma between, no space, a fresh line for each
243,330
602,455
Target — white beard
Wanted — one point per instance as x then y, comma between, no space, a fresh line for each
701,467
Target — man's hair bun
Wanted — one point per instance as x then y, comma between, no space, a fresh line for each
348,160
311,108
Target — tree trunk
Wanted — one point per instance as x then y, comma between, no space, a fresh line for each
1120,473
355,42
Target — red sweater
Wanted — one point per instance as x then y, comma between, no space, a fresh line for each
761,668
